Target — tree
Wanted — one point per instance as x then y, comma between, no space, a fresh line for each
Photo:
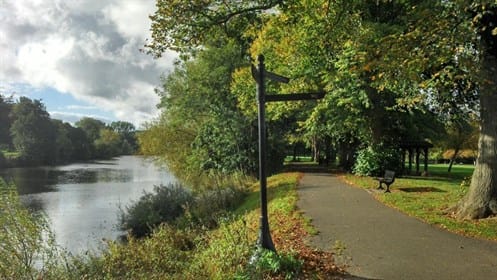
481,200
185,26
127,132
108,144
91,128
6,104
201,131
460,135
64,149
33,133
379,62
82,147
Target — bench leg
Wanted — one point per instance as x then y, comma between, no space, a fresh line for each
388,188
380,187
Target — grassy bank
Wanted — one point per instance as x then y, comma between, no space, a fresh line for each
193,252
225,253
428,198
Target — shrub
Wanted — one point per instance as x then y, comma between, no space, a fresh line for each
267,264
175,204
374,160
164,205
212,204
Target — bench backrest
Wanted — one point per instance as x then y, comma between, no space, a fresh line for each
389,175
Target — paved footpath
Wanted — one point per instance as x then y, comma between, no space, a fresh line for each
379,242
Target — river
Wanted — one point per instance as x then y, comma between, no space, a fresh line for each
82,200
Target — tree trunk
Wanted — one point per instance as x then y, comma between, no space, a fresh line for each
453,158
481,199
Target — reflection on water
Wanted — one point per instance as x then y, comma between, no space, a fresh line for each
82,200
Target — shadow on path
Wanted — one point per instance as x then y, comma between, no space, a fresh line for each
378,242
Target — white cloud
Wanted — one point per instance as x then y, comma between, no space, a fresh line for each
75,117
80,107
128,17
89,49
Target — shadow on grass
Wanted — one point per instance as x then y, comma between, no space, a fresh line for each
421,189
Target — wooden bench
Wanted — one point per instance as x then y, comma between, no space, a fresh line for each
387,179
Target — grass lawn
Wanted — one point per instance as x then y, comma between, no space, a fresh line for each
428,198
299,159
9,154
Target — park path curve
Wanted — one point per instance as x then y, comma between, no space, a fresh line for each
378,242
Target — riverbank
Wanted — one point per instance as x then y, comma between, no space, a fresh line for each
82,200
223,252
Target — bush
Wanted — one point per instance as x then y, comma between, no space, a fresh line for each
164,205
267,264
374,160
212,204
175,204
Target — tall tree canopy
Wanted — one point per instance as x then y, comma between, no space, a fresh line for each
389,68
6,104
33,133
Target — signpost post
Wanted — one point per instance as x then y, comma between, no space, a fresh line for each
260,74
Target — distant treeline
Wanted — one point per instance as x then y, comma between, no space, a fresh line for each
28,136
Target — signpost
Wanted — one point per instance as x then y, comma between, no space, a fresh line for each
260,74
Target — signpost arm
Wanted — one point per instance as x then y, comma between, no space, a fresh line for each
265,240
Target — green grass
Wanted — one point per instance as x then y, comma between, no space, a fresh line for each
10,154
300,159
459,171
428,199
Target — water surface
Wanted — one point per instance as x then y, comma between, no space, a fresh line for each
82,200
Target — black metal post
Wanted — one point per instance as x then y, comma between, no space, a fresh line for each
265,240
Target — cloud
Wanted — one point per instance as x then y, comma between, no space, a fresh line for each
73,118
89,49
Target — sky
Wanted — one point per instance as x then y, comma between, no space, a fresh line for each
82,58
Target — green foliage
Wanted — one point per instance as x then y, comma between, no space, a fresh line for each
184,26
176,205
267,263
108,144
28,248
164,205
374,160
33,134
210,205
6,104
28,129
201,131
127,132
91,127
225,252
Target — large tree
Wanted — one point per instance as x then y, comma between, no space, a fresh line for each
380,61
6,104
33,133
127,131
481,200
201,130
453,47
